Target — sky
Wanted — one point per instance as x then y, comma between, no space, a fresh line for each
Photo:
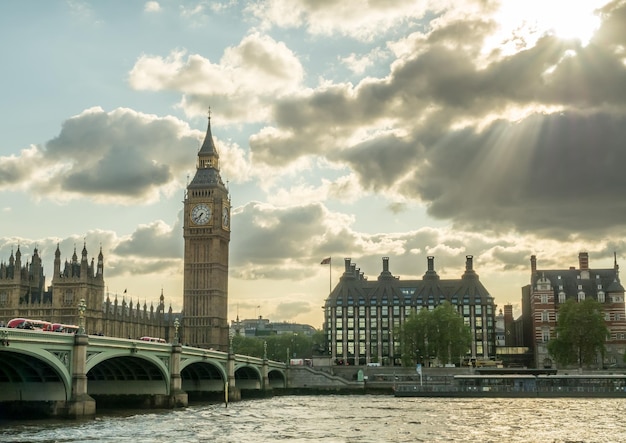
353,129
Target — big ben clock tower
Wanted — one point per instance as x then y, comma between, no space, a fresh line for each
206,228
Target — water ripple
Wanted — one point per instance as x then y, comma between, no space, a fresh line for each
346,419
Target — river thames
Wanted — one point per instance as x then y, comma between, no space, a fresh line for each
346,418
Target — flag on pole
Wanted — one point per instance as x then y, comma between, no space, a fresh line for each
326,261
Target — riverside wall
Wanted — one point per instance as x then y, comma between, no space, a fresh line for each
381,380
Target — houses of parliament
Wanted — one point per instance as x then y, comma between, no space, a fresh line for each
203,321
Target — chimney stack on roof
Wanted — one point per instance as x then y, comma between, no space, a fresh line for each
583,260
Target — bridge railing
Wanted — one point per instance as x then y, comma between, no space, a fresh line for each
27,335
220,355
123,343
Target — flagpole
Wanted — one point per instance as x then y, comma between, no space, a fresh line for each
329,261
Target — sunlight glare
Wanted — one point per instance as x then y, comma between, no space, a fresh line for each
566,19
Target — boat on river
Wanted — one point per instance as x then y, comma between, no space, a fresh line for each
520,385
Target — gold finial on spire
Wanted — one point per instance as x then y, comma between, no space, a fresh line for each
209,113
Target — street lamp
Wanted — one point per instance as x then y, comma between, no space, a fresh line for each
81,316
176,326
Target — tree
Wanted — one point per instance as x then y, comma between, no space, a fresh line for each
440,333
452,337
248,346
414,334
580,333
280,347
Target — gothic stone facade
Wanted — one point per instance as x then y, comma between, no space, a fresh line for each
23,294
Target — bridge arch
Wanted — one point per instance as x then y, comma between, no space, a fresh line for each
34,374
200,376
248,377
120,373
277,378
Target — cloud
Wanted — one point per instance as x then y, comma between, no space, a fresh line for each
156,240
360,19
275,244
242,85
152,6
280,243
16,170
548,174
122,156
545,121
359,64
287,311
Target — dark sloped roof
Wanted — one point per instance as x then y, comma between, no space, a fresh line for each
207,177
569,280
426,291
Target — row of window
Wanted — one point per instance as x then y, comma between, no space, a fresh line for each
353,350
395,310
545,316
601,297
407,301
545,336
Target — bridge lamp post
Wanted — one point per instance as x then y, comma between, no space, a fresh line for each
231,335
176,326
81,316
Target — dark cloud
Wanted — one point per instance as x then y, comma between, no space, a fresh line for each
548,172
268,236
118,154
545,173
121,172
9,174
383,161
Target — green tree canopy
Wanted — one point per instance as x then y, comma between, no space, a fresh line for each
581,333
281,347
451,336
440,333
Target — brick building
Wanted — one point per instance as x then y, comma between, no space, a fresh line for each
549,288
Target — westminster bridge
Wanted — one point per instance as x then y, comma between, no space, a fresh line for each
65,375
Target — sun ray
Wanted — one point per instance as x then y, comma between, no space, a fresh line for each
565,19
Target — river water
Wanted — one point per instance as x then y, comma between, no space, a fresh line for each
346,418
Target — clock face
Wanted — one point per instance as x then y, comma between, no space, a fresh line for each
225,217
201,214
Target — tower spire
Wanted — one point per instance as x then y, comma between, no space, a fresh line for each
208,156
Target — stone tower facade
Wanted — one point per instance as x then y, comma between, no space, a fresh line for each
206,232
78,280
